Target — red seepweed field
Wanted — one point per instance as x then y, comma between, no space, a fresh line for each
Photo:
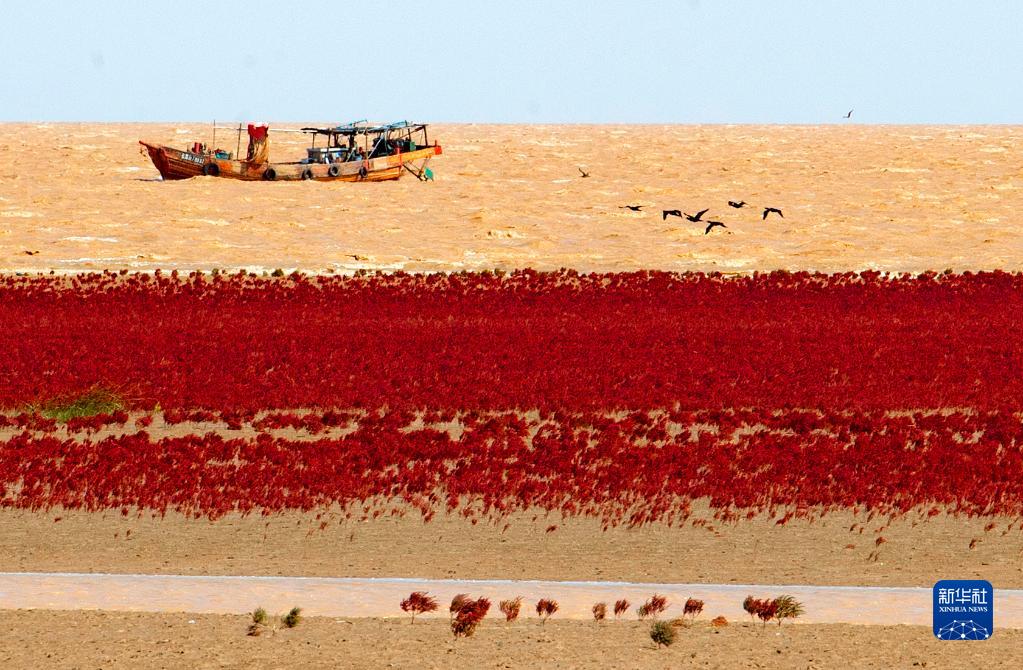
624,397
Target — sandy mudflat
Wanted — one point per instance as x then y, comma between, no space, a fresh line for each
36,639
751,552
888,197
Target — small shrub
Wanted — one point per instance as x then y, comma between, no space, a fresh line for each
458,602
277,273
546,608
766,610
787,607
652,607
662,634
292,618
418,602
469,616
693,607
259,622
750,605
465,622
599,611
621,607
511,608
719,622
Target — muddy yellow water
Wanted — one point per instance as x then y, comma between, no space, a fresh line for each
77,197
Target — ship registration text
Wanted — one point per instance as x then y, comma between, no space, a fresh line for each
192,158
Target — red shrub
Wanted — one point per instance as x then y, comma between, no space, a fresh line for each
375,354
468,617
418,603
458,602
653,607
546,608
750,605
766,610
511,608
817,341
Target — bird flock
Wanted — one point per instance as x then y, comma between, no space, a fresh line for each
698,216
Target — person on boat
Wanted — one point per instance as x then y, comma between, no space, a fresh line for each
259,144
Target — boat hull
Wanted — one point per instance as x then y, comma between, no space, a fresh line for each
177,164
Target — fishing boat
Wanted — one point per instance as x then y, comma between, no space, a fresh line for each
357,151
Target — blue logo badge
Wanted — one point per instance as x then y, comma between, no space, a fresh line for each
964,609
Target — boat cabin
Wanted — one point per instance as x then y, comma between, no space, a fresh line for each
359,140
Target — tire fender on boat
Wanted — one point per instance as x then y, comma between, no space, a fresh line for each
269,174
363,171
307,173
211,169
334,170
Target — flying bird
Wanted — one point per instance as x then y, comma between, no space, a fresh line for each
634,208
849,115
670,212
696,217
31,253
768,210
713,224
583,172
737,205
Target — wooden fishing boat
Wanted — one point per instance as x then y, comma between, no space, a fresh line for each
354,152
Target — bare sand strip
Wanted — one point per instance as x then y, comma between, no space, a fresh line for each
132,640
356,598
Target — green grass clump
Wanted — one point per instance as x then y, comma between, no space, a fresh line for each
788,608
90,403
662,633
259,616
259,622
291,619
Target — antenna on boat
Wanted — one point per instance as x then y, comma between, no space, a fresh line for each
214,134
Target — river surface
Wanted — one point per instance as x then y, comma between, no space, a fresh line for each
83,197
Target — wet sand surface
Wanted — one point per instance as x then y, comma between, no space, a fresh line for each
914,553
35,639
899,198
322,596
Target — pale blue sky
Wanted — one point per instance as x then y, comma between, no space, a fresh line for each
894,61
